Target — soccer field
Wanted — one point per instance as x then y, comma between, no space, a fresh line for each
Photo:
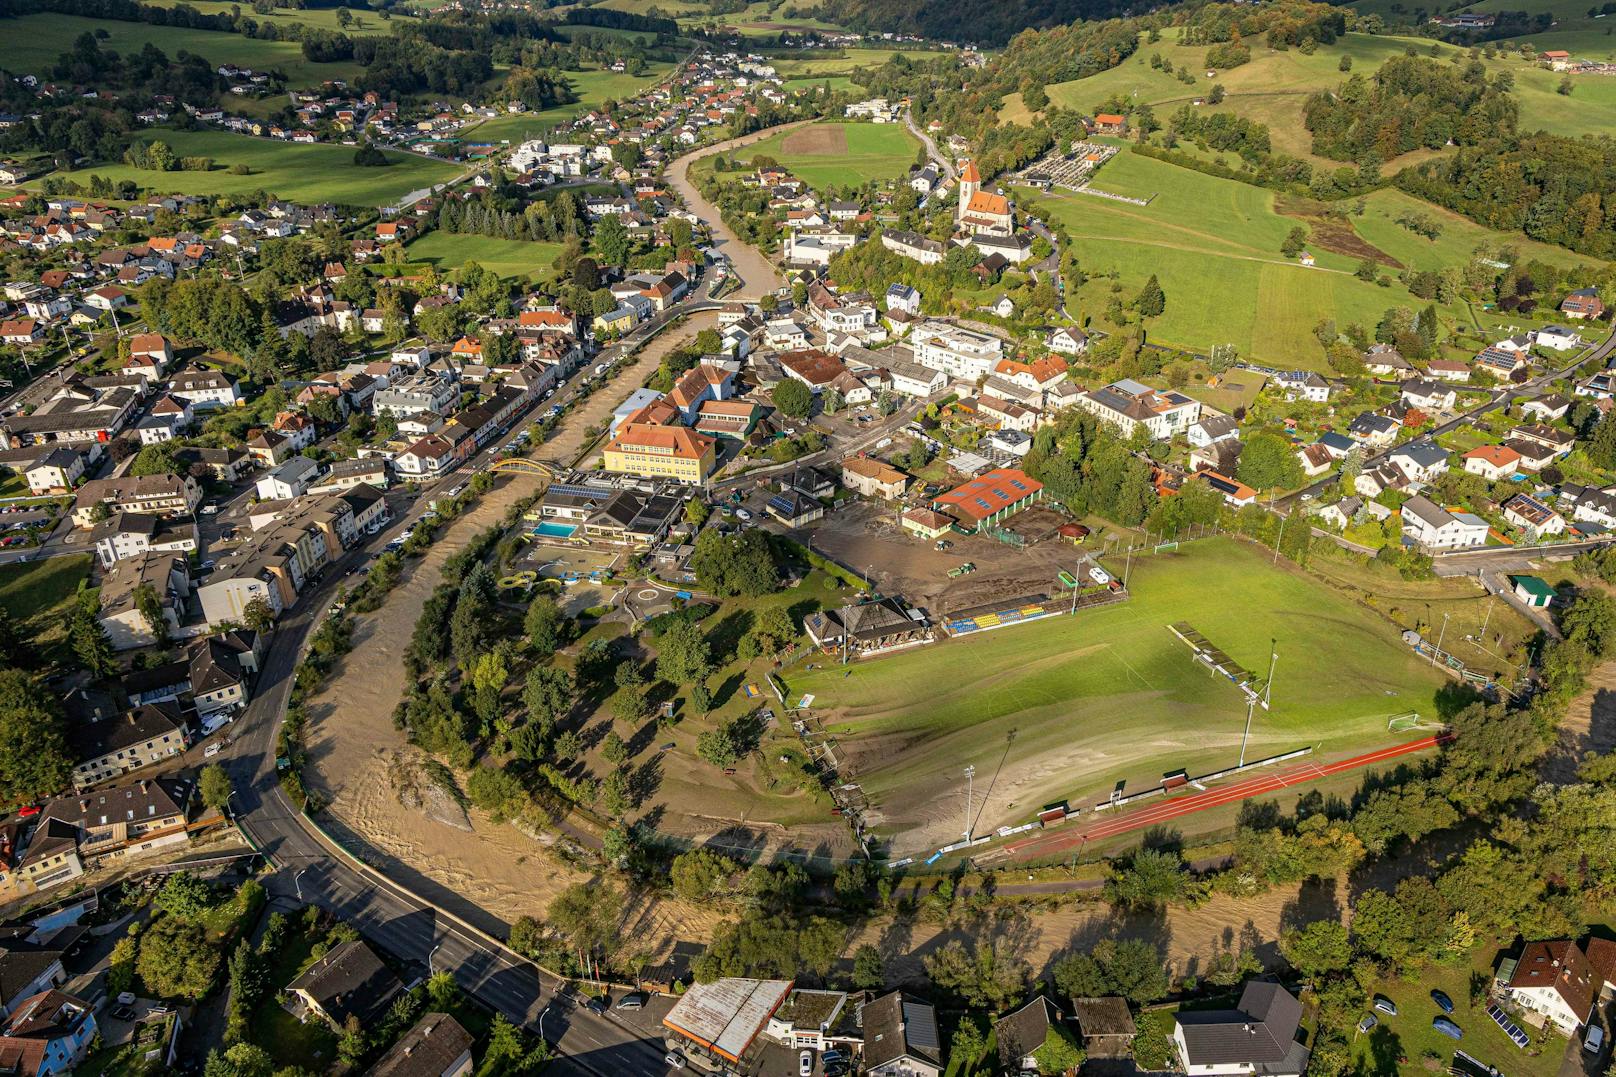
840,154
1067,706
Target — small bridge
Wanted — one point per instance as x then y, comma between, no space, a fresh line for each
517,465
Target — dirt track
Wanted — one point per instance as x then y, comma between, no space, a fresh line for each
757,273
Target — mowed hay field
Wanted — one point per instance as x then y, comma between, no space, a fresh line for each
318,173
31,44
364,22
1070,705
1214,245
839,154
506,257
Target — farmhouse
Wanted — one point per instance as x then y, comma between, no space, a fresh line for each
868,628
989,499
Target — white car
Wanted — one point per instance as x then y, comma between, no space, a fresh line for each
675,1059
743,514
805,1064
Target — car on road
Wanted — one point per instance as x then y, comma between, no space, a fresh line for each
1443,1002
210,508
211,750
634,1000
805,1064
596,1006
1385,1005
743,514
1447,1027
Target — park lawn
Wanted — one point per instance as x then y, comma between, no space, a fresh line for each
32,44
365,23
1214,246
39,594
307,174
1068,706
507,257
875,151
1410,1036
592,88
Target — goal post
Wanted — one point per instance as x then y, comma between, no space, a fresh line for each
1402,723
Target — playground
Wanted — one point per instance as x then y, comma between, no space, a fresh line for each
1065,707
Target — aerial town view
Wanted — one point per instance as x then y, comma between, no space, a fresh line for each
807,538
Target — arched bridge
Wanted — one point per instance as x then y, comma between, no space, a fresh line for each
517,465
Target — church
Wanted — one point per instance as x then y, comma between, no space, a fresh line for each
981,213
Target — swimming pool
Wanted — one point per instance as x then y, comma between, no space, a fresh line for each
551,529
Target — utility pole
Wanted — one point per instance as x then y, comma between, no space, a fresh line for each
1281,539
970,775
1490,597
1439,637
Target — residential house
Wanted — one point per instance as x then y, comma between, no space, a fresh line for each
57,471
1302,385
1427,395
1034,1040
1534,517
1421,461
1554,980
120,743
1558,338
436,1046
1583,303
1213,428
1373,429
163,494
1384,360
47,1034
872,478
349,981
1492,462
1258,1036
1546,409
1448,370
1435,528
901,1037
1129,405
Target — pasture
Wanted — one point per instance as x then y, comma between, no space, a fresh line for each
32,43
506,257
38,595
318,173
826,155
847,60
1214,245
592,88
1065,707
364,22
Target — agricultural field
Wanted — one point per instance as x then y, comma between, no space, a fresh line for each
1199,230
1274,86
592,88
848,60
32,43
837,84
318,173
365,22
506,257
1065,707
836,154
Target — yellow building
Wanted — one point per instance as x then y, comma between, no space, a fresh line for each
661,452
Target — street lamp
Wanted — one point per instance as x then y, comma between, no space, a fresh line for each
429,954
970,776
297,881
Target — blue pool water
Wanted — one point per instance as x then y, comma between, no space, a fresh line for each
551,529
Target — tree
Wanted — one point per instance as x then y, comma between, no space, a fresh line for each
34,756
612,240
547,693
682,654
545,625
738,564
721,746
258,614
151,611
1152,877
586,914
1295,240
869,970
91,644
1591,621
773,630
176,960
1318,949
239,1060
215,787
793,398
1128,967
985,979
1151,301
1269,462
700,873
158,459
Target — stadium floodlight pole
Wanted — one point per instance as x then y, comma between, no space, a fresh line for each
970,775
1488,616
1440,636
1268,689
1251,705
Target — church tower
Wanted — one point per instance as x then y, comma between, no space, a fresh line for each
970,181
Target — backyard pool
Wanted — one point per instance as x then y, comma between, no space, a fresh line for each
551,529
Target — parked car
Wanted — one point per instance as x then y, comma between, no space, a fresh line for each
1385,1005
1593,1040
1443,1002
674,1059
1369,1021
805,1064
1447,1027
634,1000
596,1006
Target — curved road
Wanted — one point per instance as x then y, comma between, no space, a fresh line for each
757,274
931,147
406,925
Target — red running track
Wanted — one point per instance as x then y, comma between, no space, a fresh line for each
1162,811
